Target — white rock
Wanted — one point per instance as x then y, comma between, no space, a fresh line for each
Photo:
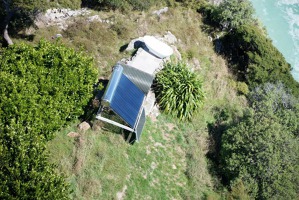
161,11
94,18
170,38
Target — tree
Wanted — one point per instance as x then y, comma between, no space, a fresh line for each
257,61
13,7
262,149
234,13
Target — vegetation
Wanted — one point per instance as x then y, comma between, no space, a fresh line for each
179,91
121,4
256,59
233,13
229,14
262,147
19,13
242,143
42,88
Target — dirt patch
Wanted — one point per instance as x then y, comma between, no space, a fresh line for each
73,134
170,126
121,195
79,157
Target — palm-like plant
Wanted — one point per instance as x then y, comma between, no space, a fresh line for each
179,91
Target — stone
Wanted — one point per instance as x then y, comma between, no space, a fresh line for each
84,126
169,38
161,11
73,134
149,102
94,18
58,17
176,53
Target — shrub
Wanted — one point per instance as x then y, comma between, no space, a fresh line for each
257,60
24,170
179,91
234,13
261,149
242,88
41,88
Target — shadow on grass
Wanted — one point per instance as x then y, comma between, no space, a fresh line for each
216,130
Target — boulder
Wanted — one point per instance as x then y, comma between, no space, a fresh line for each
169,38
84,126
73,134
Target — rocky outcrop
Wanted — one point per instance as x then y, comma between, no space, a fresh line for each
59,17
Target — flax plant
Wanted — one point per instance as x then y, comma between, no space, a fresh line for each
179,90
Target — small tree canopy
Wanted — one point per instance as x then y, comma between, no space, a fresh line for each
262,149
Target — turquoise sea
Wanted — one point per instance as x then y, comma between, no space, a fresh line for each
281,19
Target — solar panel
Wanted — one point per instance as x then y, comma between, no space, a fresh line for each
127,101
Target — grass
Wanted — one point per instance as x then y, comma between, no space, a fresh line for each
170,161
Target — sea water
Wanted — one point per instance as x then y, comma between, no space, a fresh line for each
281,20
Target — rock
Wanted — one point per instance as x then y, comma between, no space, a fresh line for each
149,102
154,113
94,18
161,11
176,53
135,44
196,63
58,17
84,126
73,134
56,36
169,38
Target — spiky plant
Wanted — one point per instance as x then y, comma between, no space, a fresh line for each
179,90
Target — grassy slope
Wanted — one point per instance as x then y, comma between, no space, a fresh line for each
170,161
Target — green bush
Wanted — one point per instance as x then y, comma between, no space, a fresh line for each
179,91
261,149
24,170
242,88
257,60
43,86
41,89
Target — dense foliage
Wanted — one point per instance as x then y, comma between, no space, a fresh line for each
262,149
256,59
41,88
230,14
179,91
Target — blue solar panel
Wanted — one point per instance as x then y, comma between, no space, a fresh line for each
127,101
